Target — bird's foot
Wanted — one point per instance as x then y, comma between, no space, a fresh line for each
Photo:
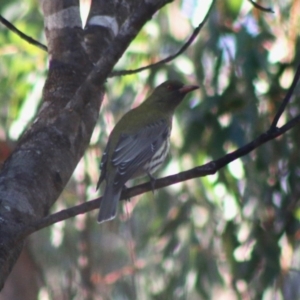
152,182
124,189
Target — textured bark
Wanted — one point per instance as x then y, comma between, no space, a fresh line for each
37,171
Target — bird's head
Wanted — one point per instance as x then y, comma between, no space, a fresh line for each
170,93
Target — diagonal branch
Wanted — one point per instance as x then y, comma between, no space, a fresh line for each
264,9
171,57
287,98
200,171
22,35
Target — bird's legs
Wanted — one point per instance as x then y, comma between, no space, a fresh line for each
152,182
124,188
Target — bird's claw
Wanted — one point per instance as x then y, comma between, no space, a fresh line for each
124,190
152,182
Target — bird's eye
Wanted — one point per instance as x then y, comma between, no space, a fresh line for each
170,87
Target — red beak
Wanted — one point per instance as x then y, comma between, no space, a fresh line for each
188,88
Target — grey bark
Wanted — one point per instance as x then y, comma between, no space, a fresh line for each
36,173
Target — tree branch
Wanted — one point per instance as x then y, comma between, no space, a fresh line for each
264,9
200,171
171,57
287,98
22,35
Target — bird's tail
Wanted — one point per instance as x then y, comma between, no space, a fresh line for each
108,206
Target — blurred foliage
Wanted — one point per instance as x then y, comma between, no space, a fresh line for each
233,235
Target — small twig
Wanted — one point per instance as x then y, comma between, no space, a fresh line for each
171,57
286,99
265,9
22,35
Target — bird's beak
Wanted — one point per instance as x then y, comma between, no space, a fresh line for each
188,88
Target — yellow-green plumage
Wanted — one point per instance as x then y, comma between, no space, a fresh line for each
139,143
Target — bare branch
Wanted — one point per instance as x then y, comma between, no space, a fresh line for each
22,35
287,98
200,171
171,57
264,9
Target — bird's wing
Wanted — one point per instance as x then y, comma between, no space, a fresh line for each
134,150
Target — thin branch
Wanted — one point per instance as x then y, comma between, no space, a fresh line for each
22,35
287,98
200,171
264,9
171,57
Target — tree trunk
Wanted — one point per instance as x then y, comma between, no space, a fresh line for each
80,61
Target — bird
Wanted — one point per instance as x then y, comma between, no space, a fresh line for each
139,143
